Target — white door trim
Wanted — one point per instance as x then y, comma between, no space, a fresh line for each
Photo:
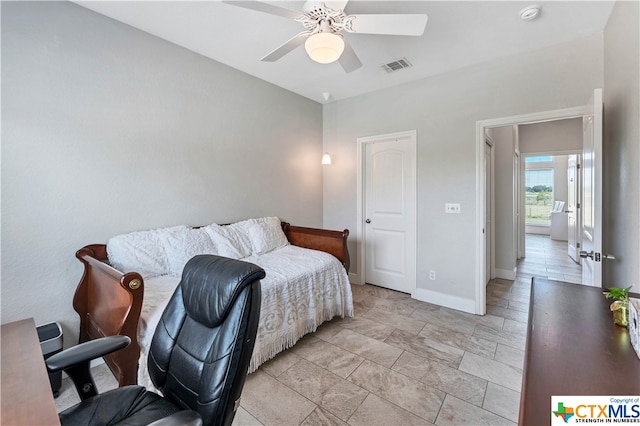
481,127
359,277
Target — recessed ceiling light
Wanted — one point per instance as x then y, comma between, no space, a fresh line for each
530,13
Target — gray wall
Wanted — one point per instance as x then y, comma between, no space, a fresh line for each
107,129
504,226
621,146
444,110
551,137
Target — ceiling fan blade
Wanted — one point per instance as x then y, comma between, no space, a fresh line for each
287,47
332,4
265,7
349,60
401,24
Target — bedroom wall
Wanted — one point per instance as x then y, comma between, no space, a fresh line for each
622,146
559,136
107,129
444,110
504,224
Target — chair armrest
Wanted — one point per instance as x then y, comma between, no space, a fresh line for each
76,361
181,418
86,352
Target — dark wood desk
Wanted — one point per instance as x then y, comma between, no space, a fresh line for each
26,393
573,348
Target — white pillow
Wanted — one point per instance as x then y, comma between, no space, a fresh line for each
182,244
240,231
229,242
140,251
266,235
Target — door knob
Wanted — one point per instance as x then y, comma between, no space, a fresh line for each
584,254
368,221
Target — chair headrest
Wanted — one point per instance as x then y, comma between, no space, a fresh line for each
210,284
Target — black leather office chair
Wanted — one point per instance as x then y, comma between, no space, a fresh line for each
198,358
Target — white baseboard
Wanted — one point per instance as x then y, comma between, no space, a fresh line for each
355,278
506,274
446,300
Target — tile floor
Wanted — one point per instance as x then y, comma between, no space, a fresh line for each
399,361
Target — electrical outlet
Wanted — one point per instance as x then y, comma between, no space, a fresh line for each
432,275
452,208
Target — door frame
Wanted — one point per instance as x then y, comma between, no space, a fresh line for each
481,127
490,235
412,135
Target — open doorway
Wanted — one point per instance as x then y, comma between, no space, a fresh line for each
529,200
550,188
590,144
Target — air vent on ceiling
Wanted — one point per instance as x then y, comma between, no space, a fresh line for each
397,65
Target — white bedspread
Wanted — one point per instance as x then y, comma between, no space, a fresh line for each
302,289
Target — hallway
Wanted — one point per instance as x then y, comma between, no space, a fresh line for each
548,258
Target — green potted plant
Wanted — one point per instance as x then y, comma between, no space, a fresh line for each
620,306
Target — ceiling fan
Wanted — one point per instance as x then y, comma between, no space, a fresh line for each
324,24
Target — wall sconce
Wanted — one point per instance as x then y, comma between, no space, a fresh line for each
326,159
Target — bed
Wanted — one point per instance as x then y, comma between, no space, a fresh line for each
306,284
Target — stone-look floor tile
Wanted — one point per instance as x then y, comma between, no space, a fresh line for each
273,403
443,320
320,417
514,339
400,322
449,380
426,348
510,356
375,411
407,393
367,290
326,355
508,314
459,340
372,349
243,418
515,327
457,412
280,363
359,309
343,399
390,305
520,306
502,401
338,396
497,301
359,292
309,380
491,370
369,328
327,330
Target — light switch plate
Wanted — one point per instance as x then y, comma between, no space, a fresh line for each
452,208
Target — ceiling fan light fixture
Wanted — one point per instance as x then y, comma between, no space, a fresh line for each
324,47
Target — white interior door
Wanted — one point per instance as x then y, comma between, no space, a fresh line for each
573,207
389,213
591,237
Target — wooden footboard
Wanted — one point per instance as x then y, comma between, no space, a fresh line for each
109,301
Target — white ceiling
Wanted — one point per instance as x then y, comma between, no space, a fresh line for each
458,34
